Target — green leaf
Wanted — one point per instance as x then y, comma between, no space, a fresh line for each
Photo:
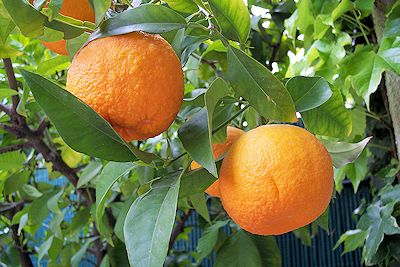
232,17
54,8
196,133
237,251
73,45
343,153
260,87
100,7
269,250
149,223
5,92
15,182
44,248
38,210
195,182
52,203
31,191
364,70
200,205
74,119
323,220
304,235
28,20
352,240
12,160
357,171
147,18
52,65
209,239
119,225
77,258
88,173
6,24
329,119
392,58
110,174
79,221
185,6
308,92
8,51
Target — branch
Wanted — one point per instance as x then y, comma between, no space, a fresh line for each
5,109
11,206
179,228
13,147
275,51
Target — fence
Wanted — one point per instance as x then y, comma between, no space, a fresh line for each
320,253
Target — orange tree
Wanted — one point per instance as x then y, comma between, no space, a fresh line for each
152,86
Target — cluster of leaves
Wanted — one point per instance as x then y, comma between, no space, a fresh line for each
244,65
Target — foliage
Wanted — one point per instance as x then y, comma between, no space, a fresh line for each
245,65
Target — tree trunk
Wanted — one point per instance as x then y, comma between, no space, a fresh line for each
392,80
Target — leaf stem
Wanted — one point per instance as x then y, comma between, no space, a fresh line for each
230,119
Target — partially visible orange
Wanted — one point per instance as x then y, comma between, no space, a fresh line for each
77,9
276,179
218,150
134,81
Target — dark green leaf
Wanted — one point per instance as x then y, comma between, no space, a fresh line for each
308,92
74,120
110,174
209,239
238,250
269,250
352,240
200,205
73,45
88,173
100,7
15,182
196,133
195,182
233,18
149,222
260,87
77,258
119,225
28,20
147,18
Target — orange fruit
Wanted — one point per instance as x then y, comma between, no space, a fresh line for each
219,149
134,81
77,9
275,179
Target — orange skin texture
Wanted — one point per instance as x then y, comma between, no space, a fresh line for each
134,81
219,149
275,179
77,9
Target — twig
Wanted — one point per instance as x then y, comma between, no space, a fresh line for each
5,109
13,147
230,119
275,51
179,229
11,206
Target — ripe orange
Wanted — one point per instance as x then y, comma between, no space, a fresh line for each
218,150
77,9
134,81
276,179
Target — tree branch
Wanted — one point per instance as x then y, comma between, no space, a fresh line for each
179,228
13,147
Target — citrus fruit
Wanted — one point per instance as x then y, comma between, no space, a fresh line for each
219,149
276,179
77,9
134,81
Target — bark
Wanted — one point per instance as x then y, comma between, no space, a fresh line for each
392,80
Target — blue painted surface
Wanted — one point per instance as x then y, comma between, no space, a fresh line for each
293,252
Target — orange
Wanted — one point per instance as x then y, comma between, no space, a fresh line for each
77,9
219,149
134,81
275,179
